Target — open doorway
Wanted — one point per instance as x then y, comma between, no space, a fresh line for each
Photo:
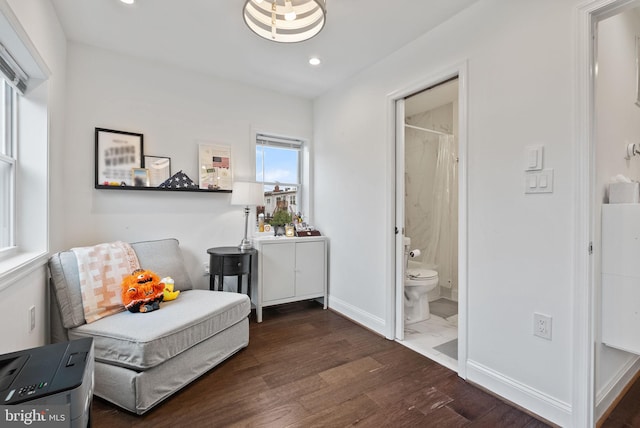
430,246
430,250
600,373
616,126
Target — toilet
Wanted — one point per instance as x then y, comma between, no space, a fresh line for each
417,284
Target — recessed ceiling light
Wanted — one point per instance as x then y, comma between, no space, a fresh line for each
128,1
314,61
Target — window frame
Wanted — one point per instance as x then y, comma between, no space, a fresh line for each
284,143
9,156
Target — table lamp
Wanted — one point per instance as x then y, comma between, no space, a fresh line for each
247,194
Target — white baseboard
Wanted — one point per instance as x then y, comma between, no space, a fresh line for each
608,394
358,315
544,405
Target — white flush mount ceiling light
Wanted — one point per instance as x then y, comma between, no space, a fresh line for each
285,21
127,1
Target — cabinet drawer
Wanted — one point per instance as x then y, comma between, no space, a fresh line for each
231,265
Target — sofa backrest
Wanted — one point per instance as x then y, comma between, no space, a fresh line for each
165,259
162,257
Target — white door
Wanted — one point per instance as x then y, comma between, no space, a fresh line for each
399,219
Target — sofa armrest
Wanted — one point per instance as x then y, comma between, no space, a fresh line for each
56,329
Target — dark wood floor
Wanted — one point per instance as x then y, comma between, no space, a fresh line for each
307,367
627,413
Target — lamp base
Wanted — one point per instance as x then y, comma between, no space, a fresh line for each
245,245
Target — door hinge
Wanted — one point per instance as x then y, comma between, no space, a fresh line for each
590,248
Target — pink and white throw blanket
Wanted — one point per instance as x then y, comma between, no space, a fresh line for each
102,268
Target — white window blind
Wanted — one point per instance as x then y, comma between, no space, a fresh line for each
285,143
12,71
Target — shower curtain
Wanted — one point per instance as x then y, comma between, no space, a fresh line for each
440,248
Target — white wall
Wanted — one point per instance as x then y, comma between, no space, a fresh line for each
520,82
617,124
174,109
28,285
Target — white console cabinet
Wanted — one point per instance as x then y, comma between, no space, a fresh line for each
290,269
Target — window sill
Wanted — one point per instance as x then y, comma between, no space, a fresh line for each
15,267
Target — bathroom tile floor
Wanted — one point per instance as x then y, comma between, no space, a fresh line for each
423,336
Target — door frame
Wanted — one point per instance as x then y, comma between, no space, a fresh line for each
583,385
395,242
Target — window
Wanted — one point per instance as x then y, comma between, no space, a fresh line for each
24,169
7,165
278,168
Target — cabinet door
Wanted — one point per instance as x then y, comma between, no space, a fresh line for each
278,276
310,268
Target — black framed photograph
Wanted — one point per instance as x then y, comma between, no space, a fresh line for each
117,153
159,169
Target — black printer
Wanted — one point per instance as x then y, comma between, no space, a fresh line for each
57,374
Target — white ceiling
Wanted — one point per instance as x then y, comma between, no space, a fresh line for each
210,36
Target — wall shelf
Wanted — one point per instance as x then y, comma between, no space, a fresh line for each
160,189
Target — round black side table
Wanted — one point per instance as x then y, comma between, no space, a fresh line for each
230,261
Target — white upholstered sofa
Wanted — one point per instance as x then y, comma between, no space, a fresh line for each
141,359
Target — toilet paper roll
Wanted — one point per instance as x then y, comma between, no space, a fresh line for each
415,253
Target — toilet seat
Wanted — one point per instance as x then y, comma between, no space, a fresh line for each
421,274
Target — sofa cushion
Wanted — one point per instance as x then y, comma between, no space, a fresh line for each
165,259
163,256
144,340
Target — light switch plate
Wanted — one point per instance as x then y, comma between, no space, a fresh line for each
533,158
543,181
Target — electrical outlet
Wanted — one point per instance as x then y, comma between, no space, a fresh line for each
32,318
206,269
542,326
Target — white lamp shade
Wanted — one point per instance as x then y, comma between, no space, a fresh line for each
247,193
272,19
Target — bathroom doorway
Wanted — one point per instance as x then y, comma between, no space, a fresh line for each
428,205
608,104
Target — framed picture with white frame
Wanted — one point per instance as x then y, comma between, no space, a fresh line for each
214,166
